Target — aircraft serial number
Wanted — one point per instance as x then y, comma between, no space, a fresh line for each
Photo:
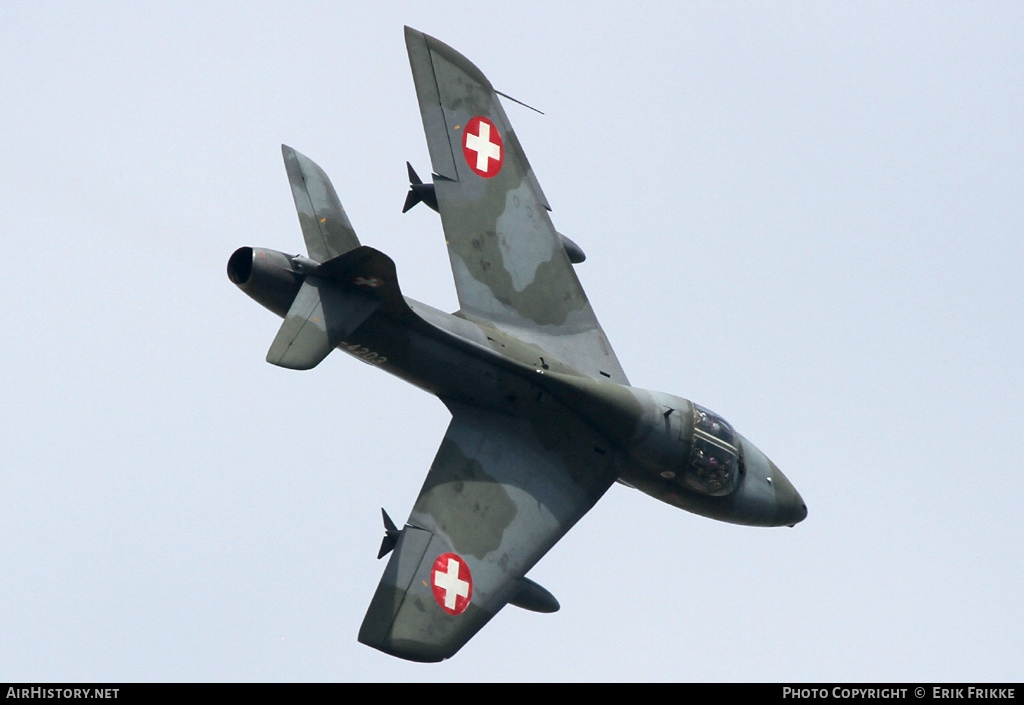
363,353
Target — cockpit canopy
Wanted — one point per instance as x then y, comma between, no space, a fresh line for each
714,464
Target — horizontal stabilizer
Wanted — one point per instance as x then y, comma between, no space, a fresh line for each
325,226
321,316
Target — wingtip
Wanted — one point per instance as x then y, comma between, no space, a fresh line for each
412,35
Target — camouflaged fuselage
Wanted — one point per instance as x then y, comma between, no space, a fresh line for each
544,420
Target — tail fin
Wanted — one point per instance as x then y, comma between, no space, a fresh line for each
343,282
336,297
321,314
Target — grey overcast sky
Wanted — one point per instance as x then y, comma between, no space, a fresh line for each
805,216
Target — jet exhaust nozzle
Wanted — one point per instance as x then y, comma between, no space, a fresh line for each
268,277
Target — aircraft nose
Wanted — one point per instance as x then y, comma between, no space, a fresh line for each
790,508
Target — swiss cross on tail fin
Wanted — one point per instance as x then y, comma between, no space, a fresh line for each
336,297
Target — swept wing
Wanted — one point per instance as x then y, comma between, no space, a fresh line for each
510,265
500,492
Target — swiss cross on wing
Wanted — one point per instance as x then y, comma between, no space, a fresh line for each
451,582
482,147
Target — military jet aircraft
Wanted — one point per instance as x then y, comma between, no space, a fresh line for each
544,420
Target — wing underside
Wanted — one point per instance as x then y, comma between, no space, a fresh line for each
500,492
510,265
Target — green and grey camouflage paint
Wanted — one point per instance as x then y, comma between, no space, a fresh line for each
543,418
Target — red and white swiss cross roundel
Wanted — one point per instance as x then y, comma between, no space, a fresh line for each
452,583
482,147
